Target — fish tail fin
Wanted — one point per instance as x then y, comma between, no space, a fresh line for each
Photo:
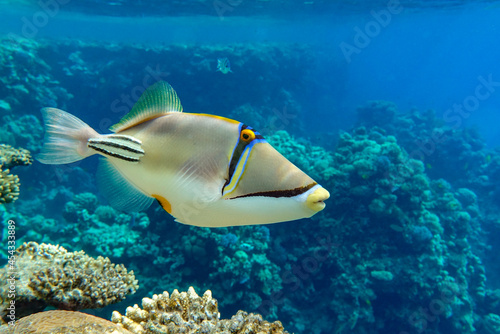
66,138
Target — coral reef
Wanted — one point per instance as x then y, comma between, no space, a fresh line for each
25,131
411,226
448,150
9,187
50,275
10,157
9,183
26,79
62,322
451,151
491,324
230,261
101,228
183,312
416,233
180,312
239,266
314,160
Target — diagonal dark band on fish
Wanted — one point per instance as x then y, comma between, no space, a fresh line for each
204,170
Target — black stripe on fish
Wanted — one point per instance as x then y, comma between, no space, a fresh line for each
105,142
279,193
237,152
113,154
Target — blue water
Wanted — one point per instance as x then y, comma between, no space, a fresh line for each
423,58
440,56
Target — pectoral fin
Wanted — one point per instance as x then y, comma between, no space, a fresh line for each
119,192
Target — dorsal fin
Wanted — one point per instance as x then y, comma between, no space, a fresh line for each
158,100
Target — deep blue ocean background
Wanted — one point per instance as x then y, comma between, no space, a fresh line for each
356,77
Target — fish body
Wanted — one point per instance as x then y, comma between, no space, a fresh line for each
223,65
204,170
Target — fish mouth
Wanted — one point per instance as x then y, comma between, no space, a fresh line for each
315,200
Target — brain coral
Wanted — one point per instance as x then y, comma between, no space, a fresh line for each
186,312
50,275
63,322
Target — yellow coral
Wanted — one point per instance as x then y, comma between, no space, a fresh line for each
180,312
9,184
186,312
9,187
10,157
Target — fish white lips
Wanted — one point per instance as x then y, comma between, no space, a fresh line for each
315,200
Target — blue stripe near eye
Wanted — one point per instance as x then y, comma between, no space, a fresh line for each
248,148
237,142
233,183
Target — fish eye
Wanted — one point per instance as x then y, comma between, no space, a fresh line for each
247,135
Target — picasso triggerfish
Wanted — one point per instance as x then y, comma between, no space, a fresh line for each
204,170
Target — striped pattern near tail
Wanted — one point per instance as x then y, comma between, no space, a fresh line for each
118,146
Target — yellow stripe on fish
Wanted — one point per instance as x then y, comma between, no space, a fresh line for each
204,170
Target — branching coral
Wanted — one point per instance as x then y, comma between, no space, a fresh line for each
180,312
10,157
9,183
183,312
9,187
50,275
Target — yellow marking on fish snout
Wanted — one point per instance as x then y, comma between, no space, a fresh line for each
315,200
164,203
